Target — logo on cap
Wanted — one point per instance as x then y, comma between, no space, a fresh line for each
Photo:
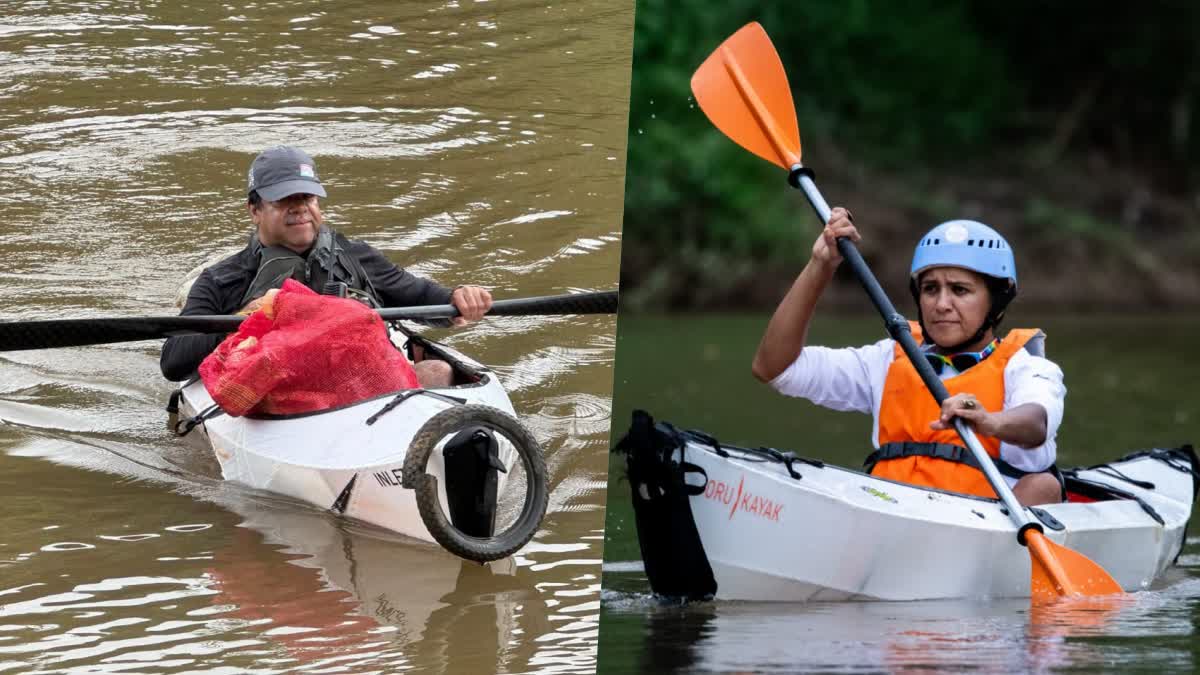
306,170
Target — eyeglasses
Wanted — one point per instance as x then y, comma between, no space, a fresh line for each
960,361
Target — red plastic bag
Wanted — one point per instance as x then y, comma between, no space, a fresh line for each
317,352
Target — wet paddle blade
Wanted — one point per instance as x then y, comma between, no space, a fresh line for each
743,90
1058,571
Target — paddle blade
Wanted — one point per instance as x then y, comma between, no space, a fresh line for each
1067,616
1058,571
744,91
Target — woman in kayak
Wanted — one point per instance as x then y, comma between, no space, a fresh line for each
962,277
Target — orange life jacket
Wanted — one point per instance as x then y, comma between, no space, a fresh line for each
907,408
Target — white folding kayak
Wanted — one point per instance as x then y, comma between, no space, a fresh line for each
717,521
379,459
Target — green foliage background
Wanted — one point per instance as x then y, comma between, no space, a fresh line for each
1079,103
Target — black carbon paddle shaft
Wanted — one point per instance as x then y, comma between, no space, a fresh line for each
21,335
597,302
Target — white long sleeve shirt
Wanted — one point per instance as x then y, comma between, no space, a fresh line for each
852,378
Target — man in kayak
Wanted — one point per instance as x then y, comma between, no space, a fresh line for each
963,276
290,241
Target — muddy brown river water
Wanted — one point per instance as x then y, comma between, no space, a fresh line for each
471,142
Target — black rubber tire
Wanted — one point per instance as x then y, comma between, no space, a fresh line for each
537,494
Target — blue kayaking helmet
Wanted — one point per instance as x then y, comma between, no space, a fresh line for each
974,246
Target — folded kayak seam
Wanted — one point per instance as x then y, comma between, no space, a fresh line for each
343,498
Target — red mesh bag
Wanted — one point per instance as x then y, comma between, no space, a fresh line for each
317,352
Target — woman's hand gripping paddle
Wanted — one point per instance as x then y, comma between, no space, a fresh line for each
743,90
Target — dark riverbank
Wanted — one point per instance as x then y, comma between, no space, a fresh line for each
1076,135
1090,235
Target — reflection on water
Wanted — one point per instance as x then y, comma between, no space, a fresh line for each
469,142
287,584
322,591
1151,629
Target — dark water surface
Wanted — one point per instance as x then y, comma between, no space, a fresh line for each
1130,386
472,142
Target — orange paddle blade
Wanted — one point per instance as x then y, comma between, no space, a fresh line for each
1058,571
1075,615
744,91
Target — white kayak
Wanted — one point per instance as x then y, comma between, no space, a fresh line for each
717,521
362,460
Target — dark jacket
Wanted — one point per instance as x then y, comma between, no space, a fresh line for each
219,290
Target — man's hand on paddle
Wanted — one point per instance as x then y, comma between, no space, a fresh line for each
472,302
841,224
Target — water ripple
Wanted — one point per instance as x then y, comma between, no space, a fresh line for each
125,131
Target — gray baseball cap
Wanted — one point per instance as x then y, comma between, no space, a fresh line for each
283,170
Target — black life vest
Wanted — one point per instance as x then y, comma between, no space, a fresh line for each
328,269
